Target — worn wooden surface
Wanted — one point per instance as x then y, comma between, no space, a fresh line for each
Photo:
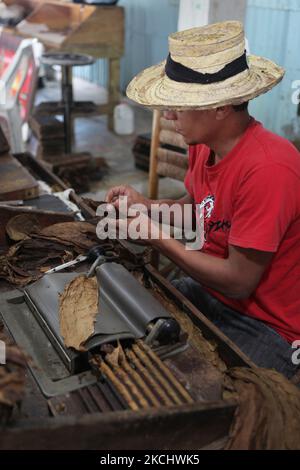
94,30
40,170
184,427
101,34
15,181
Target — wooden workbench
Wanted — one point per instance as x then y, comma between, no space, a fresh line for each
94,30
198,425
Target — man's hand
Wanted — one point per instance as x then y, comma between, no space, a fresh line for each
141,229
115,195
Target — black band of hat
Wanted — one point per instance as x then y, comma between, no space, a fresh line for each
179,73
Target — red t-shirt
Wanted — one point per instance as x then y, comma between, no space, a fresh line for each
251,199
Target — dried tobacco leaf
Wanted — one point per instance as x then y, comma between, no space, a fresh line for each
268,413
12,378
116,356
80,235
25,261
19,227
77,311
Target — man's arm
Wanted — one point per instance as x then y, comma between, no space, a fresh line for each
187,199
235,277
134,197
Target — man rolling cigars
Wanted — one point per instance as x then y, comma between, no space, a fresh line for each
244,179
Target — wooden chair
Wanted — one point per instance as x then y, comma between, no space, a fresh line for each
168,157
168,153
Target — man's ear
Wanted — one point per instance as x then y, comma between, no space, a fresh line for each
222,112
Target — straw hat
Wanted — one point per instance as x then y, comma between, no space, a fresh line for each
207,67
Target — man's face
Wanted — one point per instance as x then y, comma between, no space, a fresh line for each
196,127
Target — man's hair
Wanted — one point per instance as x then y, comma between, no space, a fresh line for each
241,107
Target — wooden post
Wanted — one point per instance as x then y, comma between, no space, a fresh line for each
113,90
153,176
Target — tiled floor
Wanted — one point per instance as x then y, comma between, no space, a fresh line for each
92,135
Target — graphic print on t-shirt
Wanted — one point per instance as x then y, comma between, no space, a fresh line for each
207,205
205,208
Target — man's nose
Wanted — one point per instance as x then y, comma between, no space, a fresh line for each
170,115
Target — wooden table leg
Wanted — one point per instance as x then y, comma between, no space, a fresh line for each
113,89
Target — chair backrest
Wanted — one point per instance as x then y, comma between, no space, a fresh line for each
168,155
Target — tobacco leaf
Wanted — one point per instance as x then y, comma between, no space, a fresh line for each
19,227
117,356
12,378
80,235
78,307
13,274
26,261
268,413
92,203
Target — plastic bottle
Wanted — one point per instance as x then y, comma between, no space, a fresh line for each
123,119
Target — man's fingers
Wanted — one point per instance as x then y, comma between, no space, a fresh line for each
111,195
115,192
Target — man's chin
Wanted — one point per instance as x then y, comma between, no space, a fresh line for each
189,141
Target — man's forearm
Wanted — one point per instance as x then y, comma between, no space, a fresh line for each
213,272
168,202
174,220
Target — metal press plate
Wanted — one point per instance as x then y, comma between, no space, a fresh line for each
46,366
